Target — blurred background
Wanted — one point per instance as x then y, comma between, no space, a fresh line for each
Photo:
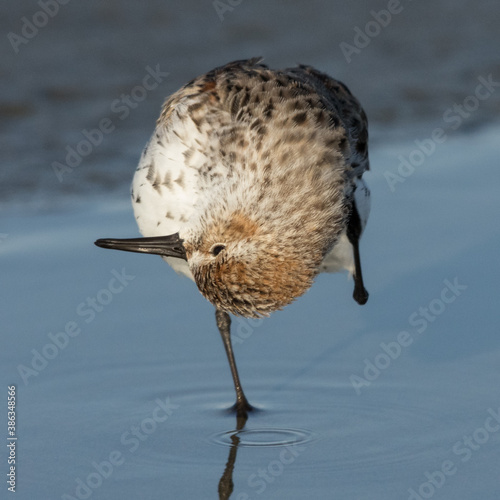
56,80
81,86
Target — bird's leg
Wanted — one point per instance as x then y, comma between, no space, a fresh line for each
360,294
242,406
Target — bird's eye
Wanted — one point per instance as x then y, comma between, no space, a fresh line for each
217,249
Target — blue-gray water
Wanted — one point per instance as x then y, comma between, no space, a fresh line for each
368,402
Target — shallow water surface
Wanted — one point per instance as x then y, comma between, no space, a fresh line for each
397,399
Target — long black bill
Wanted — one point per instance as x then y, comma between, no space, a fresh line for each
166,246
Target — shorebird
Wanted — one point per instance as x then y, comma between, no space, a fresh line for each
251,185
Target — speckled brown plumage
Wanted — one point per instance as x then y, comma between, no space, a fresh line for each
280,149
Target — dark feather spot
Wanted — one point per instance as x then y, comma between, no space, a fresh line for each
167,181
187,154
156,184
333,121
245,99
197,122
332,143
234,106
180,179
262,130
320,117
268,111
299,118
151,172
256,123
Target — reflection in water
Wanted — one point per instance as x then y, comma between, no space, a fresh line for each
226,484
289,439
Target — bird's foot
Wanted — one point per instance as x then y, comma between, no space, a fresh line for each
242,408
360,295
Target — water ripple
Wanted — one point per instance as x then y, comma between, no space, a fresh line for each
269,437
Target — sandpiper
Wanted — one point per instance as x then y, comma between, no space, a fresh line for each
251,185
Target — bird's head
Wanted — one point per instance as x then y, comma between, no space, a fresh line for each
243,268
241,265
